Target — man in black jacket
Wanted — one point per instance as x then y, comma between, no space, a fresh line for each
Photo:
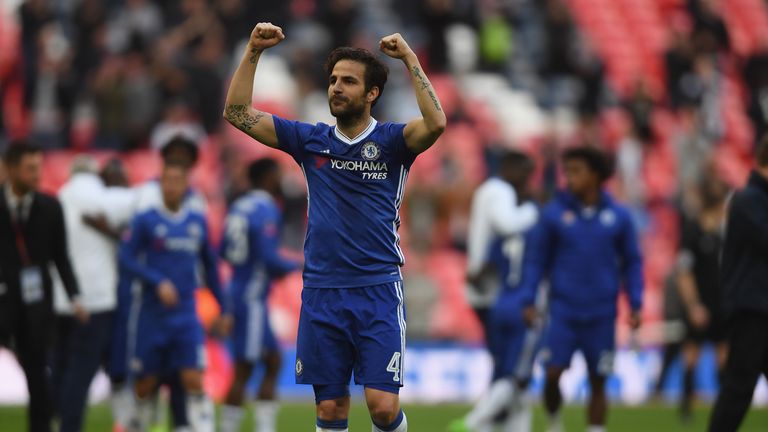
32,237
744,276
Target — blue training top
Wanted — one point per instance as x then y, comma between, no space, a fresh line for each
355,189
587,253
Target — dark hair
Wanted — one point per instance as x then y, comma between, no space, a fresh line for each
179,142
375,71
597,161
516,159
17,150
259,169
762,152
175,163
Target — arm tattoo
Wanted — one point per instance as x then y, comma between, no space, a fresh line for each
254,56
241,117
424,85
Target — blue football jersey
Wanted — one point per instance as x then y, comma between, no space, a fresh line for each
251,244
355,189
163,246
506,257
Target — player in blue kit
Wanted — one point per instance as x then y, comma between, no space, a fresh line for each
147,195
352,315
586,244
163,250
495,246
251,243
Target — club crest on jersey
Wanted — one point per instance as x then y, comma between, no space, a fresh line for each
370,151
607,217
569,217
194,230
161,230
299,367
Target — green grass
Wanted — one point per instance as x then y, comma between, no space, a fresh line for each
423,418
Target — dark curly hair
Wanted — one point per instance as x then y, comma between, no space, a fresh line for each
597,161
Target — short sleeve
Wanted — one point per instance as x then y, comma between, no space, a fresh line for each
291,135
395,131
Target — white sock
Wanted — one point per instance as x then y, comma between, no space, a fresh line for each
231,417
266,415
498,397
200,412
596,428
141,417
520,415
158,410
555,422
403,427
319,429
122,402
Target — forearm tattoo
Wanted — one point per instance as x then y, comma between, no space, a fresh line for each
254,56
241,117
424,85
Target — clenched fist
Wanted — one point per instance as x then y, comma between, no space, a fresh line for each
395,46
266,35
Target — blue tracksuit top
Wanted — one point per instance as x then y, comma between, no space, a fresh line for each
586,252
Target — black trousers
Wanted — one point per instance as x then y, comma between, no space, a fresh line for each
79,351
747,359
26,330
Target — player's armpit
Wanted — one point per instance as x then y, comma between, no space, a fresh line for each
257,124
419,136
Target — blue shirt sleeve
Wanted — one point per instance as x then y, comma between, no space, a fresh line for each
138,241
266,236
291,136
631,263
395,132
210,266
537,257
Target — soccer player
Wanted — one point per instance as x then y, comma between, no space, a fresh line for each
148,195
251,242
495,250
352,315
585,243
163,250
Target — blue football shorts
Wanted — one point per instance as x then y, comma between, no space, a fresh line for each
164,347
595,338
252,335
352,330
512,344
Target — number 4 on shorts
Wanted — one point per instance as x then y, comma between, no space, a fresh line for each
394,366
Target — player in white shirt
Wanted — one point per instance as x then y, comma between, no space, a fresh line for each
81,347
498,223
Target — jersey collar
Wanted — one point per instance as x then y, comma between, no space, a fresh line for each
361,136
170,216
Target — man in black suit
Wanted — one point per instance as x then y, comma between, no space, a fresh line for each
32,237
744,278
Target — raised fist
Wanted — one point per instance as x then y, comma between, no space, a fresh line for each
395,46
266,35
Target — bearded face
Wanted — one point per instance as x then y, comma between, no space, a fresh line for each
347,97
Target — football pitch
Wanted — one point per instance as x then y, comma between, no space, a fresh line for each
296,417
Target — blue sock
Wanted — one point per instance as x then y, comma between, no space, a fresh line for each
332,424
